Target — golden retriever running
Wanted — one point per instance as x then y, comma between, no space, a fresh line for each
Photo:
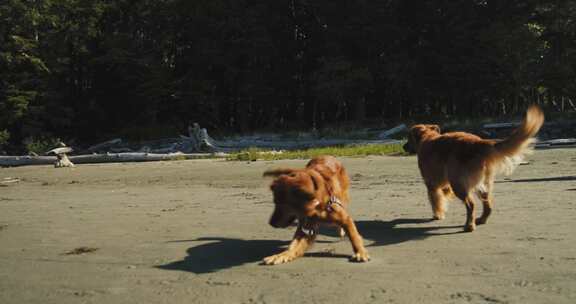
461,164
313,195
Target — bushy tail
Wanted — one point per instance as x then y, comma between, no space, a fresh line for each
511,151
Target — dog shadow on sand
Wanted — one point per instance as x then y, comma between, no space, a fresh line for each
222,253
217,253
383,233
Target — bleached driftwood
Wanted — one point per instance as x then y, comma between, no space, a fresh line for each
134,157
388,133
556,143
26,160
62,160
61,150
120,150
501,125
198,144
15,161
201,141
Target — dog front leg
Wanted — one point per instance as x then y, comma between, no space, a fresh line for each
346,222
437,198
296,249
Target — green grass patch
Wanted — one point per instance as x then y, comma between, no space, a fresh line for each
254,154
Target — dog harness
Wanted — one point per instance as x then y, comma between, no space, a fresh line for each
333,200
308,227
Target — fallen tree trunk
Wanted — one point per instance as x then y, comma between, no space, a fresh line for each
26,160
556,143
386,134
15,161
135,157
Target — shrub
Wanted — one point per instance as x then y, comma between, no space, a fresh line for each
40,145
4,136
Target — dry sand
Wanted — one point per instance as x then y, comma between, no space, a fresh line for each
195,231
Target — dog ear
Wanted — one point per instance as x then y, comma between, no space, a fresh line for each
435,128
316,179
414,138
275,186
278,172
415,134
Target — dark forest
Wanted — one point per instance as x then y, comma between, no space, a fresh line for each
86,70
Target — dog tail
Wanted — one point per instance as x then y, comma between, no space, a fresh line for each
278,172
511,151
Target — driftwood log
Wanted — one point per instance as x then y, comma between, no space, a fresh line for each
14,161
62,160
556,143
386,134
198,144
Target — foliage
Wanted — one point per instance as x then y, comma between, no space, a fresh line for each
4,136
87,69
41,145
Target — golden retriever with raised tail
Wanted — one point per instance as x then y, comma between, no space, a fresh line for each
314,195
463,164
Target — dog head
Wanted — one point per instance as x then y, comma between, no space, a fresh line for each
416,134
294,196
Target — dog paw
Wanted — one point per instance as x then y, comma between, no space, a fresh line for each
469,227
341,233
276,259
360,257
481,221
439,217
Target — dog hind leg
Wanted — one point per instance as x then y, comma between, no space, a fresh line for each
485,195
470,215
463,194
438,200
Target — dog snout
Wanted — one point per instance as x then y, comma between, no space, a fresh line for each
280,220
408,148
275,224
280,223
